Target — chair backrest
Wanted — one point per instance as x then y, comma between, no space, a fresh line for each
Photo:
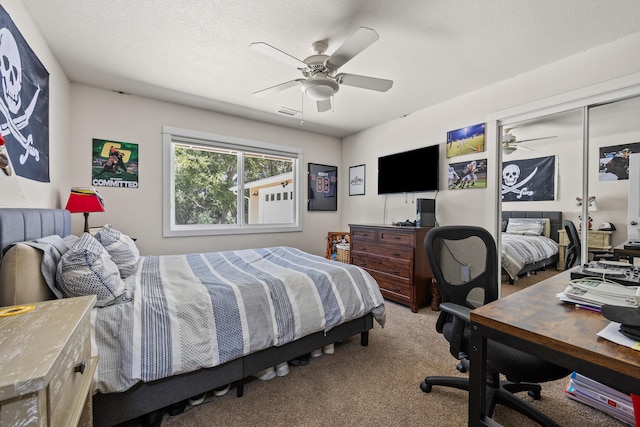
464,262
574,249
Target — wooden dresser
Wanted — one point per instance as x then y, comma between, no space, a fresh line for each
46,374
395,257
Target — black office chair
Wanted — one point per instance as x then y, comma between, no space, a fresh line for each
574,248
464,263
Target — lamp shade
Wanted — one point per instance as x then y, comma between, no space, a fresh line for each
83,199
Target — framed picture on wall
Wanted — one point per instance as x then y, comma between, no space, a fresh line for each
356,180
323,187
613,164
471,174
466,140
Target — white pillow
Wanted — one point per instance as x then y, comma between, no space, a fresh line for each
122,249
87,269
526,226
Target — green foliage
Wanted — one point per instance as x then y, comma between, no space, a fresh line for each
203,180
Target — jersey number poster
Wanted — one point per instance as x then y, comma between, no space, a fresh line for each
114,164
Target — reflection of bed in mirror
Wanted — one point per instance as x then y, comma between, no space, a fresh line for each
283,317
528,247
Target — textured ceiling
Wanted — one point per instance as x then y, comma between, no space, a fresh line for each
196,52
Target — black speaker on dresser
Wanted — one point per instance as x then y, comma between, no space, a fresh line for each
426,212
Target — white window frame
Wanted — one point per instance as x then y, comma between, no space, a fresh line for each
173,135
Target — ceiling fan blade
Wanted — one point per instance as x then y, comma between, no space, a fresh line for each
278,88
534,139
324,105
364,82
359,41
278,54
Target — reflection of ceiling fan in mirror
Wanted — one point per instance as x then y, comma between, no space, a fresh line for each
510,143
320,80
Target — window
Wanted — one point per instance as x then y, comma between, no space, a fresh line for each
220,185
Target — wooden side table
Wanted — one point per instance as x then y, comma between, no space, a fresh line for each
46,374
597,239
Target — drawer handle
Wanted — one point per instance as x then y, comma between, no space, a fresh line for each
394,289
80,367
363,249
394,271
395,254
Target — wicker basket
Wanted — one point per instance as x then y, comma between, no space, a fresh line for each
342,252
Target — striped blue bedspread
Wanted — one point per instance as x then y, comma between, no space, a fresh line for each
204,309
520,250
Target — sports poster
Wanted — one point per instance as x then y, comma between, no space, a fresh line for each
529,180
471,174
24,104
114,164
614,161
466,140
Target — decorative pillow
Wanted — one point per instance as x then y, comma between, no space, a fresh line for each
122,249
526,226
87,269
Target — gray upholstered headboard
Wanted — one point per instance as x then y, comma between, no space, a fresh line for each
20,224
555,219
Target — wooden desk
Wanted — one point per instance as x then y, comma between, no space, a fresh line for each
597,239
535,321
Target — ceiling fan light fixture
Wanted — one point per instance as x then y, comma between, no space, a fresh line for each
320,88
508,149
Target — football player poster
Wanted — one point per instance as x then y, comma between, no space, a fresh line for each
471,174
465,140
114,164
614,161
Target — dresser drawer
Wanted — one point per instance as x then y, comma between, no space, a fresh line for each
66,384
398,288
397,238
365,246
364,234
390,266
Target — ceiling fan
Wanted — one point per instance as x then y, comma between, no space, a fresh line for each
321,80
510,142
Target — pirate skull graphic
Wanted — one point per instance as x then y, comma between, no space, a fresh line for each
11,70
510,174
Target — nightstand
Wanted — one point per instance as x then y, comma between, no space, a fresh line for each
598,239
46,374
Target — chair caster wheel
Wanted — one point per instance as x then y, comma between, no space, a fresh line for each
534,394
425,387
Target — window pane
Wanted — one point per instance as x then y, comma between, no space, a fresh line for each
266,178
203,182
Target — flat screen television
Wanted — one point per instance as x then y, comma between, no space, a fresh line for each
410,171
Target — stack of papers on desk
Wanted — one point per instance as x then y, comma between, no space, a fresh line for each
597,293
602,397
612,333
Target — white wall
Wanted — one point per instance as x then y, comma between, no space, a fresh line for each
109,115
32,193
429,127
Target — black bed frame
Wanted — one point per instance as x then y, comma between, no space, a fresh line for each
145,398
555,218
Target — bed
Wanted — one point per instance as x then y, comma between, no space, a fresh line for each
524,254
249,310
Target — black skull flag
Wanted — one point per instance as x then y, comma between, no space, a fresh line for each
529,180
24,103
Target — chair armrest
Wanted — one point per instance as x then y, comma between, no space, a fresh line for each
456,310
459,325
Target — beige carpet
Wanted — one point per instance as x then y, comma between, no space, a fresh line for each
376,385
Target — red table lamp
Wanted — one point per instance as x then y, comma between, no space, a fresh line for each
85,200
